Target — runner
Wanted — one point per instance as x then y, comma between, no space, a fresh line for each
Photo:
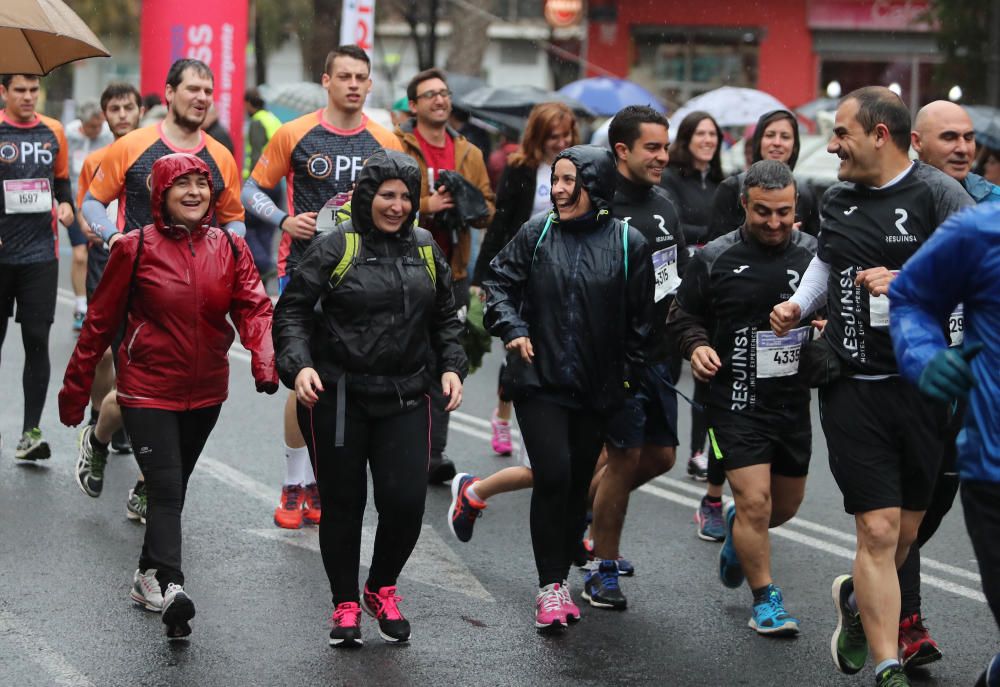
361,370
758,412
34,170
174,284
122,111
642,437
575,327
884,439
320,155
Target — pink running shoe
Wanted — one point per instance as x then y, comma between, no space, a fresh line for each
383,606
501,436
550,610
572,610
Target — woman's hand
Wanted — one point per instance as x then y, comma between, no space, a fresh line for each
451,385
307,383
522,345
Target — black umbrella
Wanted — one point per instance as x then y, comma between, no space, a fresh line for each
515,100
460,84
986,122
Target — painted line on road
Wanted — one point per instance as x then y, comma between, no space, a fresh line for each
29,645
432,563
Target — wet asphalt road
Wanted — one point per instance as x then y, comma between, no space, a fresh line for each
262,598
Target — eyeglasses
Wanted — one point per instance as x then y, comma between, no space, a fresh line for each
430,95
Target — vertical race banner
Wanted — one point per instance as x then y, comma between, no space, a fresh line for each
357,24
213,32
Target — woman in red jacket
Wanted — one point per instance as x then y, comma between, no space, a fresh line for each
172,284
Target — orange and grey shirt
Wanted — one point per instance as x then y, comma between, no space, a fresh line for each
318,161
34,177
124,175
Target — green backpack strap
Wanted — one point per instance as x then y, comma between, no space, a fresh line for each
352,247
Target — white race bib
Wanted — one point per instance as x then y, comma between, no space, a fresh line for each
23,196
956,326
665,272
779,356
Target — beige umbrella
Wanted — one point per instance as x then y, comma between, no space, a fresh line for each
39,35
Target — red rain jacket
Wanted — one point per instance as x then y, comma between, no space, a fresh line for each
175,352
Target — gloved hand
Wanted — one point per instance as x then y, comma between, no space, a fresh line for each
267,387
70,409
948,375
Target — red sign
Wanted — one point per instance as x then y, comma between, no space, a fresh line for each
213,32
860,15
561,14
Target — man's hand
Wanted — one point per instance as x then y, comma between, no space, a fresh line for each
705,363
875,279
307,383
522,345
784,317
92,237
451,385
65,214
441,200
478,292
948,375
114,239
301,226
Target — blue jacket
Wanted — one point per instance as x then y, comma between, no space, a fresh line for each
981,190
959,264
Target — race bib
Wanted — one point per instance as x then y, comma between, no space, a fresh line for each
956,326
23,196
326,219
665,272
778,356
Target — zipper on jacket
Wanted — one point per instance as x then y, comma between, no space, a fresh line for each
128,350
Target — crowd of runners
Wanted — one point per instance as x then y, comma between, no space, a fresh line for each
601,270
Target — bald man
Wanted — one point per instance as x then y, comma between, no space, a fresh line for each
943,136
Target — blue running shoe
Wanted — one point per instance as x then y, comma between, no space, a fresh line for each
711,524
771,618
600,587
730,570
990,676
625,567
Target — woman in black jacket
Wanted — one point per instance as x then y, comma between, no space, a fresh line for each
691,178
524,191
776,137
571,298
361,369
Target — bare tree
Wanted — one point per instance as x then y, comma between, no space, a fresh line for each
470,21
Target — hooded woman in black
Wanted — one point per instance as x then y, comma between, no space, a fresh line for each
769,142
361,366
571,298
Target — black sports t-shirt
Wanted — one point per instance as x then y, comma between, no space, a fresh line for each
650,210
32,157
732,284
863,228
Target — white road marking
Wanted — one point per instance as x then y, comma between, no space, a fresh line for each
433,562
28,645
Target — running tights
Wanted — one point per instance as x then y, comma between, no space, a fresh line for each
909,573
166,444
35,379
981,503
395,447
563,445
699,418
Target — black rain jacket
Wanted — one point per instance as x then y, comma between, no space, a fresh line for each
568,292
385,324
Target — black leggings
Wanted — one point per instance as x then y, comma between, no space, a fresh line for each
35,378
563,446
396,448
699,418
166,444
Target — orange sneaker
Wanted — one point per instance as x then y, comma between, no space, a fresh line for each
313,509
288,514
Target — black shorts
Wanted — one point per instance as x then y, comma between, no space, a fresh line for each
97,260
885,442
33,287
740,441
650,416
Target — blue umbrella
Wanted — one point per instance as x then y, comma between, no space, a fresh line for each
606,96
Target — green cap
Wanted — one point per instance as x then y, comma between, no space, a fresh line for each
401,105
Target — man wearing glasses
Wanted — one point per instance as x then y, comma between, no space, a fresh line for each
435,146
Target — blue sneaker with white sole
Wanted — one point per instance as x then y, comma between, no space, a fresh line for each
730,570
770,616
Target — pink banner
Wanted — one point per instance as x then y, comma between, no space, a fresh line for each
213,32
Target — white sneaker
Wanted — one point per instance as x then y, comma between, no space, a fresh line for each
146,590
178,609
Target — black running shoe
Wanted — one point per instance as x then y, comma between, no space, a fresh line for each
382,605
346,632
600,587
178,609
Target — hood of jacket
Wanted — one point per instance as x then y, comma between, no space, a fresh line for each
595,172
758,134
382,166
166,171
